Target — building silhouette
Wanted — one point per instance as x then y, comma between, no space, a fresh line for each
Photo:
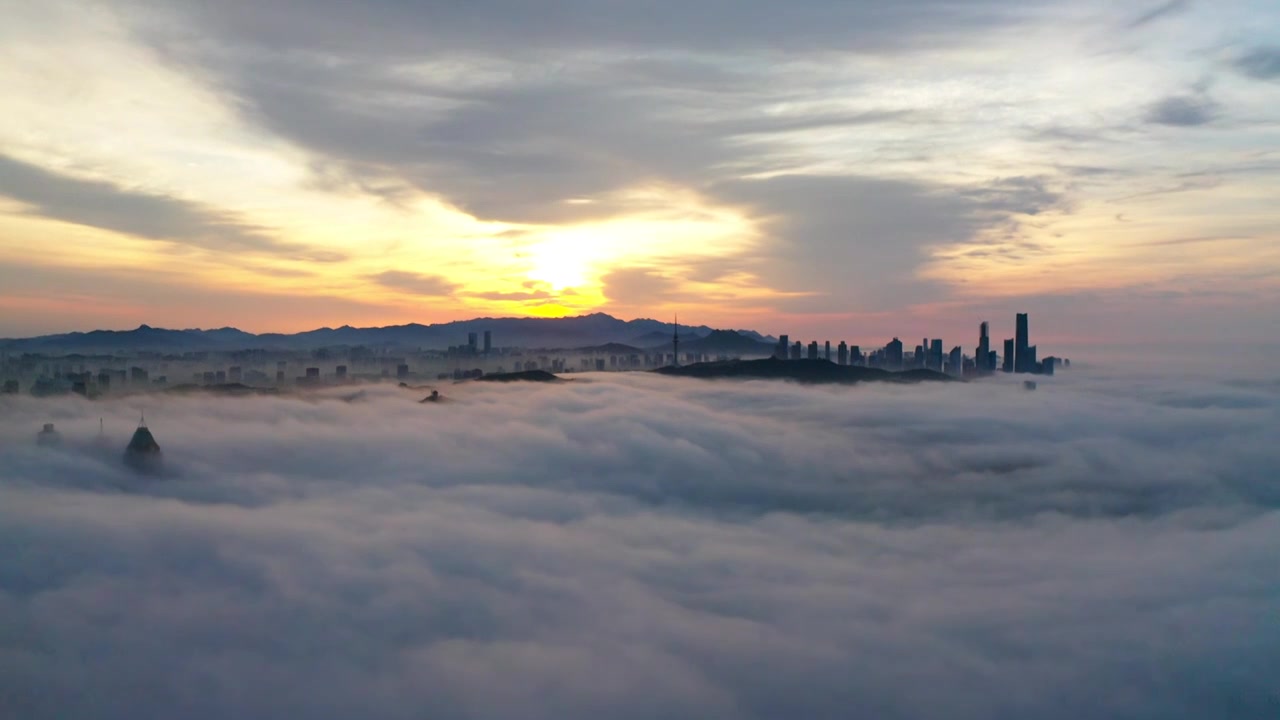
981,357
1007,366
813,350
143,452
48,436
488,341
1021,359
893,354
842,353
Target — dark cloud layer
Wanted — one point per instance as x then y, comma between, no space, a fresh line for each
1262,63
1182,111
146,215
416,283
640,547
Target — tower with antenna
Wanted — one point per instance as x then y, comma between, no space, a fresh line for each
675,340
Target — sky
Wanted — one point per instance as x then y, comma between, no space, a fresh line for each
636,546
822,168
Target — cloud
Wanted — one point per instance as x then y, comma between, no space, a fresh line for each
1182,111
418,284
1159,12
636,546
1262,63
860,239
140,214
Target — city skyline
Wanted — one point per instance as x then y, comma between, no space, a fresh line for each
877,168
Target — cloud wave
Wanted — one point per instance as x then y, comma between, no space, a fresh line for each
637,546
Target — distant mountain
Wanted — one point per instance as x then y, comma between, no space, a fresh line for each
805,371
727,342
584,330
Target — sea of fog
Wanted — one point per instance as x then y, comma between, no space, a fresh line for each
634,546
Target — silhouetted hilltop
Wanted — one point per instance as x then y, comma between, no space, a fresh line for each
806,371
726,342
583,330
523,376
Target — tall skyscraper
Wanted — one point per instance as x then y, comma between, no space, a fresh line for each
855,355
984,348
813,349
935,355
784,347
955,362
488,341
828,353
1007,365
675,339
893,354
842,353
1020,363
797,350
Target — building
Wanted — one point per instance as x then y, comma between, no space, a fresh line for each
984,350
341,372
828,353
784,345
955,361
235,373
1008,356
855,355
1048,365
143,452
797,350
893,354
402,370
842,353
935,355
138,376
48,436
472,341
221,377
813,350
1021,362
488,341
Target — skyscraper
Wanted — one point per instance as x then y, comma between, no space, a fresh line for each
675,339
813,349
1020,358
893,354
955,363
784,346
828,354
1007,365
488,341
842,353
935,355
472,341
984,348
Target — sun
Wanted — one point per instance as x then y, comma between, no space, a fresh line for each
559,265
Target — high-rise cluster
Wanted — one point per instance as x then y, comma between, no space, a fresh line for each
1018,356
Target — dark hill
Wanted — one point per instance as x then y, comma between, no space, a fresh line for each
727,342
805,371
524,376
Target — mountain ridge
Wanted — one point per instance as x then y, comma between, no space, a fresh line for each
592,329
